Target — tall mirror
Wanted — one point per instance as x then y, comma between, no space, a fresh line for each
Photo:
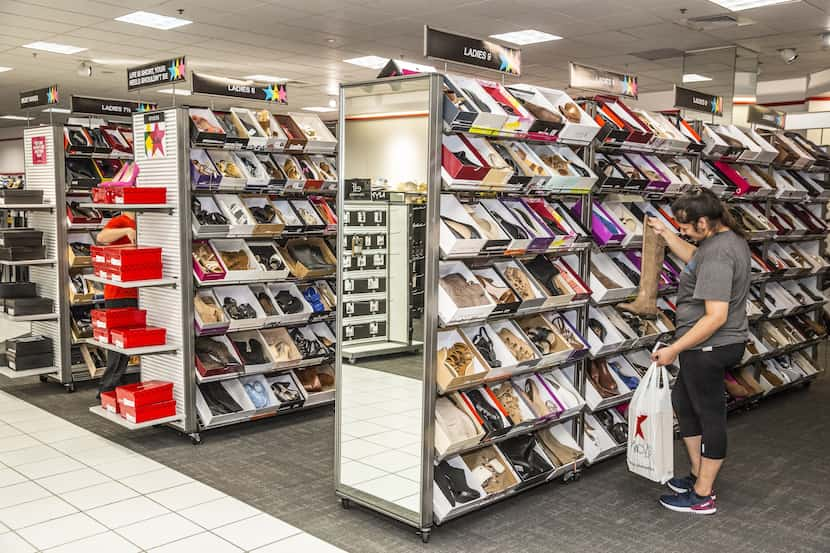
382,210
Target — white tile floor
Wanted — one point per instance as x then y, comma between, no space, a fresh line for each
66,490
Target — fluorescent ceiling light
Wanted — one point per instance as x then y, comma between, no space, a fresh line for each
154,20
738,5
266,78
320,109
54,47
745,99
695,78
372,62
528,36
176,91
56,110
4,69
16,117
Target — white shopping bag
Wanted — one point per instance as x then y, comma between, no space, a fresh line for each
651,427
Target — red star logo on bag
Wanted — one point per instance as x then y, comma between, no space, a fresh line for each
640,420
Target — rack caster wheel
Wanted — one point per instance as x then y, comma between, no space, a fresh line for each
571,477
70,388
425,535
346,503
44,379
196,439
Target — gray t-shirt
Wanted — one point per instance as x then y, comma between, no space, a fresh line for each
720,271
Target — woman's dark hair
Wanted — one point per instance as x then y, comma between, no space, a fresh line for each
702,202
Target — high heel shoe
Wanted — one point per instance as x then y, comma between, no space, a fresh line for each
126,177
501,294
461,230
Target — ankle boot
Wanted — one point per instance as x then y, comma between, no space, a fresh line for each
654,250
452,482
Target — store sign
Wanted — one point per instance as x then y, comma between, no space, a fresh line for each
697,101
155,130
158,73
235,88
471,51
105,106
760,115
39,150
40,97
601,80
399,68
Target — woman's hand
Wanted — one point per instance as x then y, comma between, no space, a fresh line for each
664,356
657,226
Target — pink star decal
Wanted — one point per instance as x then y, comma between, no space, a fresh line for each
157,138
283,94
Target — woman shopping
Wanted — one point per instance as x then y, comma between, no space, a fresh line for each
712,330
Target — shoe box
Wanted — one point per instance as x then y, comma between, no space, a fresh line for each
17,307
109,401
11,196
30,352
126,263
127,195
12,290
138,337
143,401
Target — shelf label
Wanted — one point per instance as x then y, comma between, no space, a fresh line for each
106,106
276,93
698,101
39,97
170,71
471,51
602,80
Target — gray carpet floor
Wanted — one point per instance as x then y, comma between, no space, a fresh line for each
772,494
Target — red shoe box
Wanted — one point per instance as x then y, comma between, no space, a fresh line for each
133,255
149,412
138,337
102,335
118,318
109,401
130,273
144,393
139,195
102,195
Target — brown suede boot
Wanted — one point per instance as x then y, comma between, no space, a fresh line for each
654,250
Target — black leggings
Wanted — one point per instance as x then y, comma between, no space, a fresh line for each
116,372
699,396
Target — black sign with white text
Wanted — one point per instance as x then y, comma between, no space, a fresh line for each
698,101
603,80
40,97
235,88
766,117
106,106
157,73
472,51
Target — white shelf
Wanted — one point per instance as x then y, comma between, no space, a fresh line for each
25,318
166,348
84,226
27,207
119,420
133,283
28,262
10,373
131,207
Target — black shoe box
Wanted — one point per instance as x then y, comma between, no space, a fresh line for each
27,362
17,307
17,290
22,253
11,196
27,346
21,238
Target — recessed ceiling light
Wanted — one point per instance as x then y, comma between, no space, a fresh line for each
332,103
372,62
320,109
16,117
54,47
695,78
4,69
56,110
266,78
738,5
528,36
176,91
154,20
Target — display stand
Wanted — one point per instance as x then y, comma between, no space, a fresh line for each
415,141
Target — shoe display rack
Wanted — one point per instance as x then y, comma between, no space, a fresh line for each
97,152
252,258
534,256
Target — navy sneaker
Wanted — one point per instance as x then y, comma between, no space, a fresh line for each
690,502
682,484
